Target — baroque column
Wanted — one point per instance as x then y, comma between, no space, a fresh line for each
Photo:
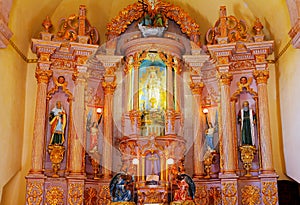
261,77
197,88
77,141
109,86
227,142
42,74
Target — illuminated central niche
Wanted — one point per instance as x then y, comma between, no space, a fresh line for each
152,94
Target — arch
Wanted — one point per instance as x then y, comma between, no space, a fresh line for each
135,11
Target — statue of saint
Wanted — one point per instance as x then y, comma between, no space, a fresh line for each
209,135
153,87
186,188
247,120
94,137
58,121
118,187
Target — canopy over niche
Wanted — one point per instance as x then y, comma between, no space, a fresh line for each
136,11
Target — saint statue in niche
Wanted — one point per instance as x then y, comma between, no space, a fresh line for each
247,121
58,122
153,88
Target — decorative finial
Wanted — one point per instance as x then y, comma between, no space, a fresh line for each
258,27
47,24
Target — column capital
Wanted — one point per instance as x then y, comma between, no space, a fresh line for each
109,87
80,75
225,78
196,87
43,76
261,76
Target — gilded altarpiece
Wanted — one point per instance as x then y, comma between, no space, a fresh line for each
152,102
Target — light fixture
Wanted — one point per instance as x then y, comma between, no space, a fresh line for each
135,161
99,113
170,161
205,110
99,110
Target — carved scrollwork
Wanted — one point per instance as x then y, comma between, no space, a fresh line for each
250,195
34,193
75,193
229,193
136,11
90,196
55,196
77,25
104,195
225,78
261,76
229,27
270,194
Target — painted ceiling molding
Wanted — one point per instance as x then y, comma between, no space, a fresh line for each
294,10
5,32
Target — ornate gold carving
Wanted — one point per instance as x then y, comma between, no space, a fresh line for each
75,193
201,195
269,191
247,156
242,65
258,27
229,193
196,87
55,196
43,76
250,195
223,60
260,58
170,117
34,193
123,203
136,11
59,83
63,64
47,24
95,160
72,27
208,160
135,117
187,202
215,195
104,195
227,27
44,56
245,86
109,87
225,78
129,64
152,196
90,196
56,153
261,76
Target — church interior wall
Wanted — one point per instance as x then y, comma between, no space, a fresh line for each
17,79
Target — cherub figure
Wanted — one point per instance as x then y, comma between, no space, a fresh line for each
244,83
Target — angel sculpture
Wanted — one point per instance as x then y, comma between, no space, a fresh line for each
118,187
244,83
187,188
